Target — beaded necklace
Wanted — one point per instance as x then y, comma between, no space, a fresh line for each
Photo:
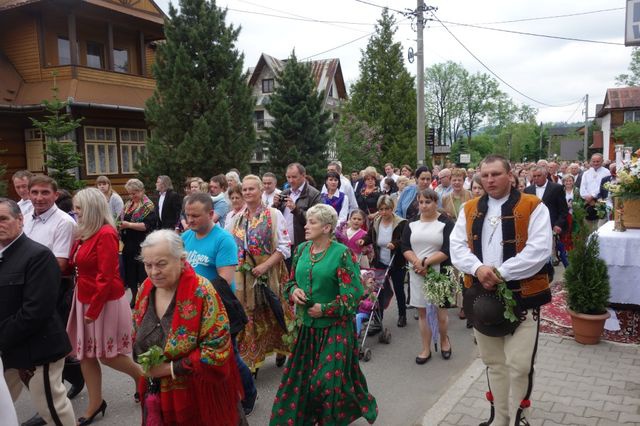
313,260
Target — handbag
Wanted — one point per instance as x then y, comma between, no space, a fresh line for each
237,316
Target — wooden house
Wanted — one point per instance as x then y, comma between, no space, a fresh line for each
99,54
621,104
327,74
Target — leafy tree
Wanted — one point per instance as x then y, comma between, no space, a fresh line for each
629,134
201,113
384,96
479,92
358,144
300,130
63,158
632,79
443,99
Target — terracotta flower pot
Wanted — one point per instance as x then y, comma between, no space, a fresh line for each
587,328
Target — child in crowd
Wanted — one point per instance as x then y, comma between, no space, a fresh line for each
368,300
350,232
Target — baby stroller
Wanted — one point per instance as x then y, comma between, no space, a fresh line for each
374,325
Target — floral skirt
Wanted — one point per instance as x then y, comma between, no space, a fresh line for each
106,337
322,382
262,335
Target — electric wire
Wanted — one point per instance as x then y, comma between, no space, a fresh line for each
337,47
552,16
382,7
493,73
320,21
568,120
534,34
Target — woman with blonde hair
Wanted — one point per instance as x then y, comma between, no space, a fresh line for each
137,219
113,198
100,320
452,202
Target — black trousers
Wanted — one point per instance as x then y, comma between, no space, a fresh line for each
396,278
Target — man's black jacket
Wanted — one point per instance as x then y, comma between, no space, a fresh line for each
31,331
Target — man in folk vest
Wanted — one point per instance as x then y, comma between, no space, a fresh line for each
504,236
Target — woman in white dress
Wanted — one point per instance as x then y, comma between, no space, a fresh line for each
425,244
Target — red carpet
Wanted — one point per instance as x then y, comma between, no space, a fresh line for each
556,320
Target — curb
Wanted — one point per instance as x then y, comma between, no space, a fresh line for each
437,413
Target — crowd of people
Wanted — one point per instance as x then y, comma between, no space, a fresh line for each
218,278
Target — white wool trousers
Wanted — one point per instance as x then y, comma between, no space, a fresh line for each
510,361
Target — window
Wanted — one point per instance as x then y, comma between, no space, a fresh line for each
34,150
267,85
259,116
95,55
131,147
632,116
64,51
121,60
101,151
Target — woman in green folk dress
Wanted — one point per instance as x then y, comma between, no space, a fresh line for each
322,382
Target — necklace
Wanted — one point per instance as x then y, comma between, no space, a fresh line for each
317,257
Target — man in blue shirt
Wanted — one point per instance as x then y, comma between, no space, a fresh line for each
213,253
211,250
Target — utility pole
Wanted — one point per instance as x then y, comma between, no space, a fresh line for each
420,84
540,148
585,148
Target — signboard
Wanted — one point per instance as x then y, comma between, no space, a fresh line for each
441,149
465,158
431,136
632,24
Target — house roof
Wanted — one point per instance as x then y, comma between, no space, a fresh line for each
324,71
620,98
157,15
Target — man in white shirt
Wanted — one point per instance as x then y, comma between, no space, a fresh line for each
20,181
270,188
479,249
345,184
54,229
468,182
590,187
389,172
444,187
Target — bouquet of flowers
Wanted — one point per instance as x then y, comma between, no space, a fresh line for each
628,182
154,356
442,287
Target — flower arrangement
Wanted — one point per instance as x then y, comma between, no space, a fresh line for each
628,179
440,288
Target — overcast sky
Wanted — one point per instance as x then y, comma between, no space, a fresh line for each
552,71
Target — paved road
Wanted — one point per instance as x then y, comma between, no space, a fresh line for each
404,390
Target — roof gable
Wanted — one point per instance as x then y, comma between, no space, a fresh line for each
620,98
324,72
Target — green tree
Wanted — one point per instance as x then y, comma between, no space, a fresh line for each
300,128
358,144
384,95
443,99
628,134
633,78
63,158
479,94
201,113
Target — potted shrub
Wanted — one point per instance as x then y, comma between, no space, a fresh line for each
586,280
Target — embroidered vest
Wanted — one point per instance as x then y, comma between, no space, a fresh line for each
530,292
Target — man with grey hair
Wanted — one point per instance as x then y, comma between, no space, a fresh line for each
20,181
169,204
345,184
590,187
270,188
574,170
33,339
444,188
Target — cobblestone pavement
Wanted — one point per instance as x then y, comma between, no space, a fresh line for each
574,385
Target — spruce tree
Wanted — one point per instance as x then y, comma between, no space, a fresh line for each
63,158
300,130
384,96
201,113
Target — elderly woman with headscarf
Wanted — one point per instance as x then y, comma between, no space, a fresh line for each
180,312
136,220
322,383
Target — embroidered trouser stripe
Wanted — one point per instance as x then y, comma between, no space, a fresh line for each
49,396
523,404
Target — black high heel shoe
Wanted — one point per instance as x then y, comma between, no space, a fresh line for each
82,421
446,354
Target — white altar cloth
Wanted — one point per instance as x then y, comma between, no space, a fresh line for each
621,252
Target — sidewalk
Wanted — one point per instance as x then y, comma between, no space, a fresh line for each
574,385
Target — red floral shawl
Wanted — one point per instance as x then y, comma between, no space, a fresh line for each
209,395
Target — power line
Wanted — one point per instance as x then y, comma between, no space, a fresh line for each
337,47
576,110
534,34
381,7
551,17
320,21
493,73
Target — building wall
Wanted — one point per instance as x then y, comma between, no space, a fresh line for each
19,42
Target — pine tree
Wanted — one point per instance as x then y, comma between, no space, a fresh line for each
384,96
300,130
63,158
201,113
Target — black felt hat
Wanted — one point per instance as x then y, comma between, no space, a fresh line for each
487,315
